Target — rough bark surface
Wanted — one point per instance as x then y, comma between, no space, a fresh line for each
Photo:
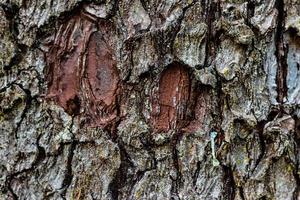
117,99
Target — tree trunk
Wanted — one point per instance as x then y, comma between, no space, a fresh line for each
150,99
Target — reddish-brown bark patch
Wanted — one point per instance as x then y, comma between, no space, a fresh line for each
173,97
101,70
83,78
199,107
103,79
180,103
65,61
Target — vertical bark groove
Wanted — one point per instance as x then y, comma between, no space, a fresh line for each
281,53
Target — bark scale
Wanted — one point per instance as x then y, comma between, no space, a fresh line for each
117,99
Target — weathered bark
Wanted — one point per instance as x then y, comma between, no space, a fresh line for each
118,99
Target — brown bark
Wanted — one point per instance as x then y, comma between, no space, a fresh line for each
119,99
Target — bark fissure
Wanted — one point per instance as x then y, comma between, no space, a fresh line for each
28,101
262,144
68,174
230,187
177,182
281,53
40,156
241,192
122,175
117,99
211,11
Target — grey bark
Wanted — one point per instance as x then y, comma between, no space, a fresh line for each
117,99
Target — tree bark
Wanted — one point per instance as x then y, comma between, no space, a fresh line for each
120,99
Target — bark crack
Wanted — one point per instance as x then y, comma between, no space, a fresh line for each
41,155
281,54
28,101
121,176
229,190
177,182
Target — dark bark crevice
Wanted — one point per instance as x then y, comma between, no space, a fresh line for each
196,173
222,100
177,181
229,187
262,144
281,53
241,193
212,13
149,146
28,102
122,175
250,11
68,176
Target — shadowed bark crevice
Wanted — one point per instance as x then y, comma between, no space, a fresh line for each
28,102
241,192
281,53
262,144
229,191
122,175
68,174
177,182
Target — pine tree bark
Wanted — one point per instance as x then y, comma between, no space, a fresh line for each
119,99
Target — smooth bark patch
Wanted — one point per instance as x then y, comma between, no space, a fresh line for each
103,78
173,97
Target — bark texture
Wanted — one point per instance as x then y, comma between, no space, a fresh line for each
117,99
